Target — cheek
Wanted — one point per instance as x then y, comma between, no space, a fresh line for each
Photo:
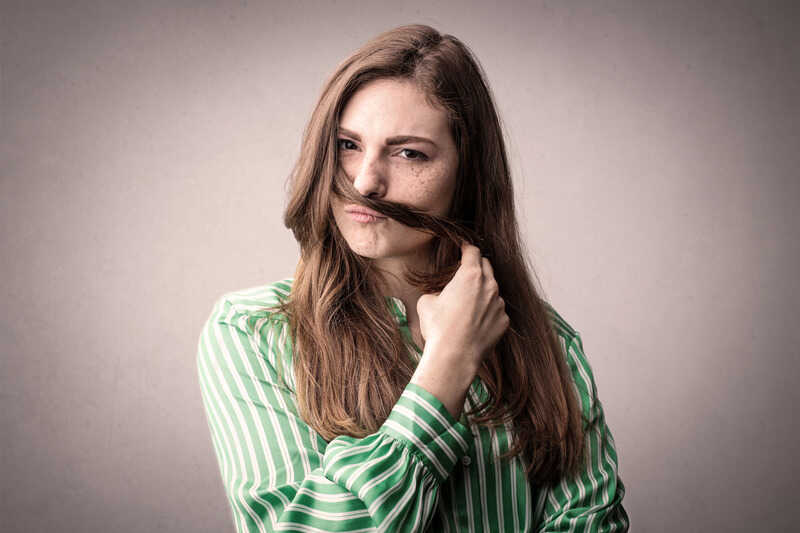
347,164
339,216
432,186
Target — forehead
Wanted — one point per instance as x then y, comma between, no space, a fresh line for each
386,107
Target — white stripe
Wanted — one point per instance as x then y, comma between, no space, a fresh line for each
428,429
418,443
514,474
479,454
295,526
416,398
528,518
323,497
498,476
328,515
566,490
541,499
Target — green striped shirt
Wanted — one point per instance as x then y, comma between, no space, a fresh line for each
421,471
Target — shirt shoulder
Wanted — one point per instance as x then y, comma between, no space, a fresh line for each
253,315
563,329
578,363
260,301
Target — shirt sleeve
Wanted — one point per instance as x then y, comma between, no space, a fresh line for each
592,500
280,475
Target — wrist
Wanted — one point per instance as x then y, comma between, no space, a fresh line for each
451,397
455,362
447,374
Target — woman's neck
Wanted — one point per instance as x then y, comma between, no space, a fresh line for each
392,282
392,279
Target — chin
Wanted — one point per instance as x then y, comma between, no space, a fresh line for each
385,250
369,251
374,245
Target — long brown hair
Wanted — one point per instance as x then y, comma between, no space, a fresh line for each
351,362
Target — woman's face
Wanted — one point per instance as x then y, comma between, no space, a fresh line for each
394,146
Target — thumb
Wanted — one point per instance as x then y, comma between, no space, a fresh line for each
463,247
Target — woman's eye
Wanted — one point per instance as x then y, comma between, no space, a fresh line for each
414,155
411,155
342,144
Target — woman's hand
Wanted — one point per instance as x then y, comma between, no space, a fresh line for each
460,326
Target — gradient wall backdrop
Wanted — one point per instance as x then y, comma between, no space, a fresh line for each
145,149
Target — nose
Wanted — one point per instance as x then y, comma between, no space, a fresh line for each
370,180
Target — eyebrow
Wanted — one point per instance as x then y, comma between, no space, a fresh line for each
390,141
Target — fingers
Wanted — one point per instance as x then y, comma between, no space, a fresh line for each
470,255
486,266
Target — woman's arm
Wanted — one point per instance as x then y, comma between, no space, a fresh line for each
280,475
460,326
591,501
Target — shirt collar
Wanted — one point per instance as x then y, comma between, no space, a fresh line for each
398,309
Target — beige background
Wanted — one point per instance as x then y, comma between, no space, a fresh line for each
144,151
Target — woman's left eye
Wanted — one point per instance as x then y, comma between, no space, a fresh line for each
414,155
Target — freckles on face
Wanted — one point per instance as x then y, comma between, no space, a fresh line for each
430,187
395,146
418,172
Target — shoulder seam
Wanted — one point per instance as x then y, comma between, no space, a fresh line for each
561,326
270,295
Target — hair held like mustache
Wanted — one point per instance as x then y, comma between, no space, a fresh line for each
446,228
452,232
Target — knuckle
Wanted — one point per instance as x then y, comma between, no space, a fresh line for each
493,290
473,273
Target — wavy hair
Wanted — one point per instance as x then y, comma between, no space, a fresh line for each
351,362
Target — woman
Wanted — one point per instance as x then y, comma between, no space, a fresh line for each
408,377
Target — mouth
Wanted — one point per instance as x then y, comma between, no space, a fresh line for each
363,214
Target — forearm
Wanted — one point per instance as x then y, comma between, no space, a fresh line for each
445,374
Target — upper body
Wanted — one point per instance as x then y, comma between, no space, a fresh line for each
422,470
343,408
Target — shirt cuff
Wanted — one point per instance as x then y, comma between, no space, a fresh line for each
424,424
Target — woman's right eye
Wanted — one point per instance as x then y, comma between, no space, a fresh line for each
345,146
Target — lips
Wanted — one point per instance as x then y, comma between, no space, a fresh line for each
362,210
